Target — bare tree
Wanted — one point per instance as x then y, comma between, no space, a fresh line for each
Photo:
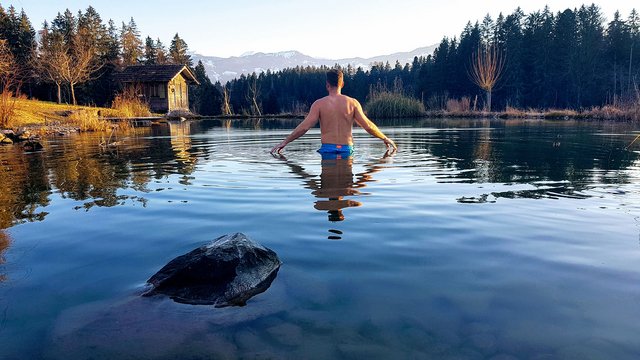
84,64
226,107
487,66
9,82
254,92
52,59
53,62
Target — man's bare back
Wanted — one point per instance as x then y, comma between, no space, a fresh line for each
336,114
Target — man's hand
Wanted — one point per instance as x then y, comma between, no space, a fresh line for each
278,148
390,144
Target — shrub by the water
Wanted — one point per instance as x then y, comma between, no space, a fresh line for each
7,109
128,105
393,105
459,105
87,120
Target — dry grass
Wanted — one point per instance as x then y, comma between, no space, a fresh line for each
560,113
393,105
7,109
128,105
33,112
630,111
459,106
87,120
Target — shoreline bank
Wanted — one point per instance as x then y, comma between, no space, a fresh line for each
45,118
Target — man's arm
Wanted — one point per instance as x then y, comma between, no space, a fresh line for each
368,125
310,121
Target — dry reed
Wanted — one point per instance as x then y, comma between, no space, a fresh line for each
87,120
129,105
393,105
462,105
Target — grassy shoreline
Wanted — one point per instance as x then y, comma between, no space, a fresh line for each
554,114
45,117
42,114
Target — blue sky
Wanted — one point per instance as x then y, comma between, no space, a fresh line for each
327,28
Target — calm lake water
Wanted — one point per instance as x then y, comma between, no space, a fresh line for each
478,239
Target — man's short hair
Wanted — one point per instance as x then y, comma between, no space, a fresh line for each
335,78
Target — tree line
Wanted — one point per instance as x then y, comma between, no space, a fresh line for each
570,59
73,57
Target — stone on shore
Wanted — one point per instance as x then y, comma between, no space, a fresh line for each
228,271
5,139
24,136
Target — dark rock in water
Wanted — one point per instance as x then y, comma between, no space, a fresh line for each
228,271
32,145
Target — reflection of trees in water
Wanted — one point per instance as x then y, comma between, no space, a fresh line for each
25,187
560,159
250,124
524,152
80,170
5,241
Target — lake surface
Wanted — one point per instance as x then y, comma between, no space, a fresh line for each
478,239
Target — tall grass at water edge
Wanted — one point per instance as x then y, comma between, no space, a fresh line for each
388,104
128,105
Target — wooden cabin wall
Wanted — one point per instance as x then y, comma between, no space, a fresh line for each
178,94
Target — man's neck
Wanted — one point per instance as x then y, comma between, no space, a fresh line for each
335,91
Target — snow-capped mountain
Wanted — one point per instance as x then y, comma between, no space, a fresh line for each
225,69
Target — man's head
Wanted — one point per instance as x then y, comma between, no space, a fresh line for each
335,79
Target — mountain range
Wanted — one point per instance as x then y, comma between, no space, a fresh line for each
225,69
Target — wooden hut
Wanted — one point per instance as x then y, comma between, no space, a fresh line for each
164,87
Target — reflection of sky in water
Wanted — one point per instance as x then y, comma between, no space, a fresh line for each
479,239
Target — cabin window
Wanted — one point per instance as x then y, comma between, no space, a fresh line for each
153,90
157,91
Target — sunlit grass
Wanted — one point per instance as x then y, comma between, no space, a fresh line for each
393,105
128,105
33,112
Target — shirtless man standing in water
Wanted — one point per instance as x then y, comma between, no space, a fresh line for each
336,113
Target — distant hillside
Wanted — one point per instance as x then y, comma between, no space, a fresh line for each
225,69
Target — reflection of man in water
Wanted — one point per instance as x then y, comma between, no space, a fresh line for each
336,113
336,181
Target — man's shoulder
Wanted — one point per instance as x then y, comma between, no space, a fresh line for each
352,100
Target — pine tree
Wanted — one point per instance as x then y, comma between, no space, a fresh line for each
94,31
66,25
112,44
511,43
161,53
487,30
633,22
178,52
206,98
26,42
618,45
150,51
132,46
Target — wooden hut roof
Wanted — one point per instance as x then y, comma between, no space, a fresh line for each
155,73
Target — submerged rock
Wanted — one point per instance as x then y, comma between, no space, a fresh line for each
32,145
228,271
